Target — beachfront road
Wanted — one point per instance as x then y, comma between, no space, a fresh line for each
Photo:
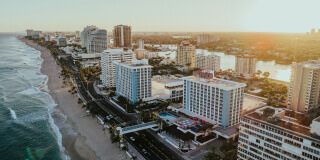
155,149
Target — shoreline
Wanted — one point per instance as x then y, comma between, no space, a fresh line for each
83,136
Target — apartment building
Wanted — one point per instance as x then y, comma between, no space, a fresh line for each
62,40
214,100
267,133
207,62
122,36
304,89
94,39
133,79
245,66
185,55
107,66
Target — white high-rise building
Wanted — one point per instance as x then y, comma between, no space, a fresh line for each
304,89
133,79
267,133
207,62
245,66
214,100
107,66
94,39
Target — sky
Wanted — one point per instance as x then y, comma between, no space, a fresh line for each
161,15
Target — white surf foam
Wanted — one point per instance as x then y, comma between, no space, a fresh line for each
30,91
50,106
13,114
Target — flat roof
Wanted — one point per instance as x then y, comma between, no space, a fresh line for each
282,123
216,82
169,81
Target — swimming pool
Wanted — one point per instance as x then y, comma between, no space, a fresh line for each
167,116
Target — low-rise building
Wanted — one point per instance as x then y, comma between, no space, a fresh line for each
167,86
87,60
133,79
267,133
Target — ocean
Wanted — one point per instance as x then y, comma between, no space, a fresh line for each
27,129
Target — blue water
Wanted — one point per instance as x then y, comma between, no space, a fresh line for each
167,116
27,130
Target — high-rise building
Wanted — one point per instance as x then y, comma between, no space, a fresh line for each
107,66
267,133
214,100
47,37
304,89
122,36
30,32
313,31
245,66
61,40
133,79
94,39
141,44
185,54
207,62
203,38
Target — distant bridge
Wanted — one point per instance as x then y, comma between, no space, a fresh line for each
135,128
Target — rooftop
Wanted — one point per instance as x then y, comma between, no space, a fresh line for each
277,117
135,63
169,81
217,82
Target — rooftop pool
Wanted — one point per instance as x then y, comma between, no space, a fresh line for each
167,116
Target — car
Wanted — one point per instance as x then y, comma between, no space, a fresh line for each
144,151
132,139
108,118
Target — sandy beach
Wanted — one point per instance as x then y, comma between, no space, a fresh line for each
83,136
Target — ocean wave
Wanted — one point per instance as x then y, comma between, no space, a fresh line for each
30,91
13,114
43,88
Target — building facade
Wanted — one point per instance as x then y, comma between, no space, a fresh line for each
168,86
203,38
30,32
122,36
133,79
275,136
214,100
185,54
47,38
245,66
304,88
207,62
94,39
107,66
61,40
